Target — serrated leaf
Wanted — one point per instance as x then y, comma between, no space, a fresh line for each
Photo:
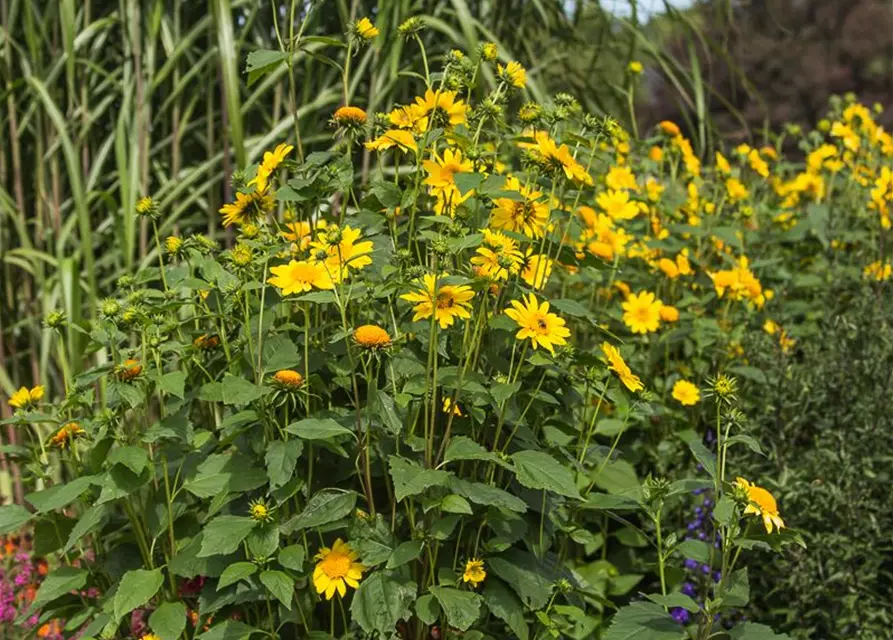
58,583
456,504
281,458
173,383
134,458
224,534
381,602
464,448
487,495
136,588
318,429
462,608
229,630
292,557
404,553
754,631
538,470
506,606
410,479
12,518
675,600
324,507
737,593
236,390
642,620
59,496
169,620
525,576
280,585
90,519
695,550
235,572
262,62
701,453
427,609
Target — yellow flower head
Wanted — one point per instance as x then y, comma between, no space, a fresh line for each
365,30
128,370
336,569
474,572
445,302
620,178
402,139
617,205
525,215
617,364
498,257
761,503
270,162
441,109
512,74
559,159
349,117
442,171
338,250
544,329
736,190
248,207
489,51
635,68
66,434
371,336
450,407
25,398
641,312
669,313
260,511
288,379
669,128
300,277
686,393
173,244
537,269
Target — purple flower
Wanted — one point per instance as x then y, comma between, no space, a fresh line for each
680,615
705,569
717,576
689,589
702,536
691,564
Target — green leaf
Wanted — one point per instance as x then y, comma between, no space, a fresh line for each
12,518
238,390
456,504
169,620
737,593
751,373
502,391
618,477
262,62
465,181
134,458
173,383
487,495
410,479
89,520
462,608
59,583
280,585
59,496
724,511
281,458
607,502
754,631
695,550
464,448
235,572
538,470
674,600
381,602
701,453
136,588
324,507
224,534
404,553
318,429
523,574
751,443
383,406
280,353
229,630
506,606
427,609
263,541
644,621
292,557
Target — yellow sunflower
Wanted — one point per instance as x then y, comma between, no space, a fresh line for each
618,365
342,250
537,269
498,257
525,215
686,393
25,398
442,171
270,162
248,207
474,572
336,569
544,329
559,159
67,434
442,109
300,277
512,74
446,302
400,138
641,312
372,337
761,503
618,205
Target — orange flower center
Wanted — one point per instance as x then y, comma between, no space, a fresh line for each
336,565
